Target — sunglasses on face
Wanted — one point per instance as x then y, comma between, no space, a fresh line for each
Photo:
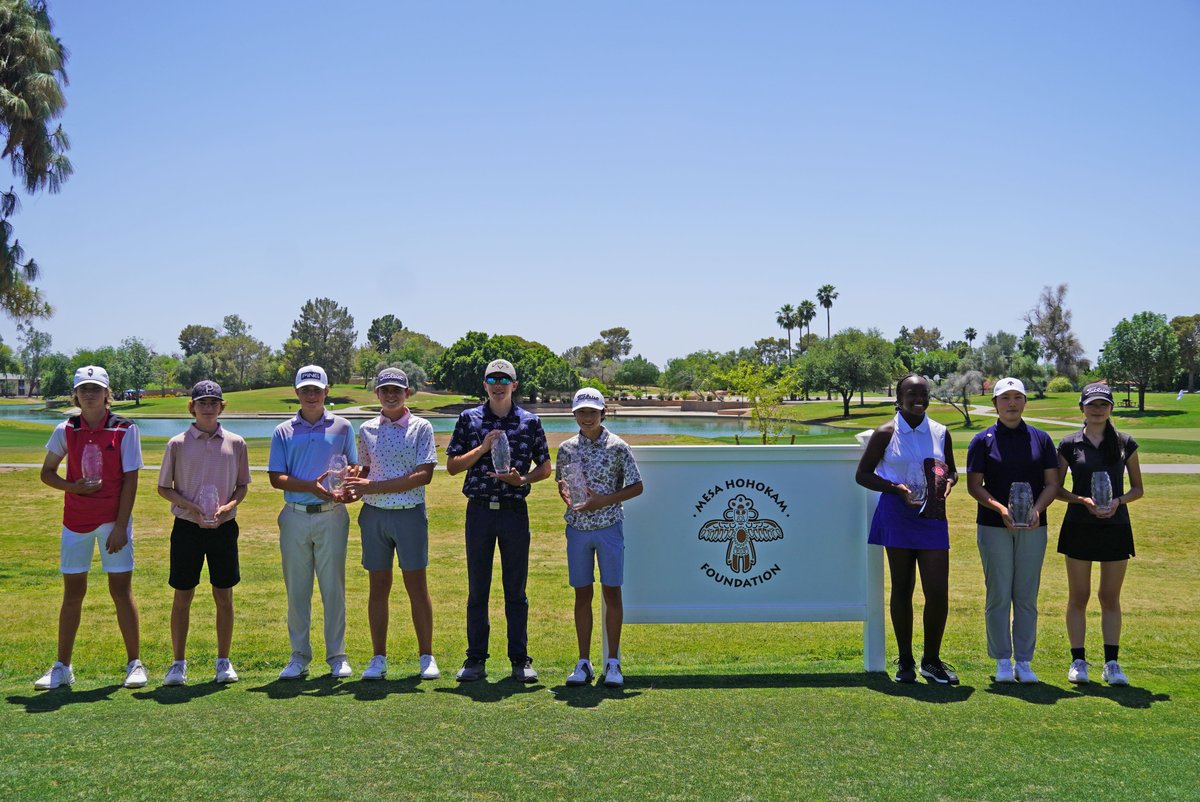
498,380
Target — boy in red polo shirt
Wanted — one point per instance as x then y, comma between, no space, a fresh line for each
205,474
103,454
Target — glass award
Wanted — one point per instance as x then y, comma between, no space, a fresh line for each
1020,504
208,501
501,454
93,464
338,464
577,485
1102,491
915,480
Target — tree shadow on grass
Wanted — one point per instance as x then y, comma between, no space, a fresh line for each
179,694
50,701
1124,695
484,691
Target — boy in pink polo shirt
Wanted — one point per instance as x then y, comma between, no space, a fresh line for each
205,474
103,454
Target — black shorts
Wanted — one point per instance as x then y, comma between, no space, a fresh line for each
191,544
1082,540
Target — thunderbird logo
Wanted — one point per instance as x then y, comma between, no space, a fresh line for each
740,526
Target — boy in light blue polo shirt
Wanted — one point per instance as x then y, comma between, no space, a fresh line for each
314,527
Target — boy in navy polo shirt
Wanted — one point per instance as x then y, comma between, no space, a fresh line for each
96,509
314,527
496,514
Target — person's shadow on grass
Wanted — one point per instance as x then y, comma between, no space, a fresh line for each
871,680
50,701
370,690
179,694
590,696
1036,693
1124,695
498,691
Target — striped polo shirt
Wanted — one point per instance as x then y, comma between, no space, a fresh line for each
195,458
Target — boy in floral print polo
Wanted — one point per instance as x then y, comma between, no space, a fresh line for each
594,527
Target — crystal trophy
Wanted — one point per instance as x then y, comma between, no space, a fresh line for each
577,486
501,454
208,501
1020,504
338,464
915,479
1102,491
93,464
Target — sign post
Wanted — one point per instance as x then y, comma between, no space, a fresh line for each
753,533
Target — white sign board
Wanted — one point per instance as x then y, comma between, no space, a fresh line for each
753,533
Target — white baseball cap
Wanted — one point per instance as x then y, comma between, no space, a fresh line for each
587,398
1008,383
501,366
91,374
312,376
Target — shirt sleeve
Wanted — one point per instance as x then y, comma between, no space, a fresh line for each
1049,455
629,467
277,462
166,472
977,453
351,449
131,450
243,454
57,444
364,451
1130,446
427,448
460,441
541,449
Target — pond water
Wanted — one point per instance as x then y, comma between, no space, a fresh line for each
619,424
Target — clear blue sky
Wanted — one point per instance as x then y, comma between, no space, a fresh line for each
679,168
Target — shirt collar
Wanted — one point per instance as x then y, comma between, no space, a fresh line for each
326,420
196,432
1020,429
600,440
903,427
401,422
487,412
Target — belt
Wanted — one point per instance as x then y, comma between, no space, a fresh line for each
483,503
312,509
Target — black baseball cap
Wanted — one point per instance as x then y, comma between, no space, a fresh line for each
1096,391
206,389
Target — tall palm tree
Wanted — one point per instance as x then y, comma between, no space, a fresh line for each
805,313
786,318
825,297
970,334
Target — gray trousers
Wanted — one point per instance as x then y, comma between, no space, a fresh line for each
315,545
1012,570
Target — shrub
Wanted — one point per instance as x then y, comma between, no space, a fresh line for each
1059,384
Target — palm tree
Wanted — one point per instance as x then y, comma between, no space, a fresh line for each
805,314
825,296
786,318
970,335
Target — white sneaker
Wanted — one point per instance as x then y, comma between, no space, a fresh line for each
612,674
1077,673
1113,675
340,668
429,667
1025,673
135,674
294,670
57,675
176,674
583,673
225,672
1004,671
377,668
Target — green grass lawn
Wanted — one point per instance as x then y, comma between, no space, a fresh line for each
750,712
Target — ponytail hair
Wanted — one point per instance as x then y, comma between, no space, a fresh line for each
1111,446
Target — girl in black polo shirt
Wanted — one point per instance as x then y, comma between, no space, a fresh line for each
1092,533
